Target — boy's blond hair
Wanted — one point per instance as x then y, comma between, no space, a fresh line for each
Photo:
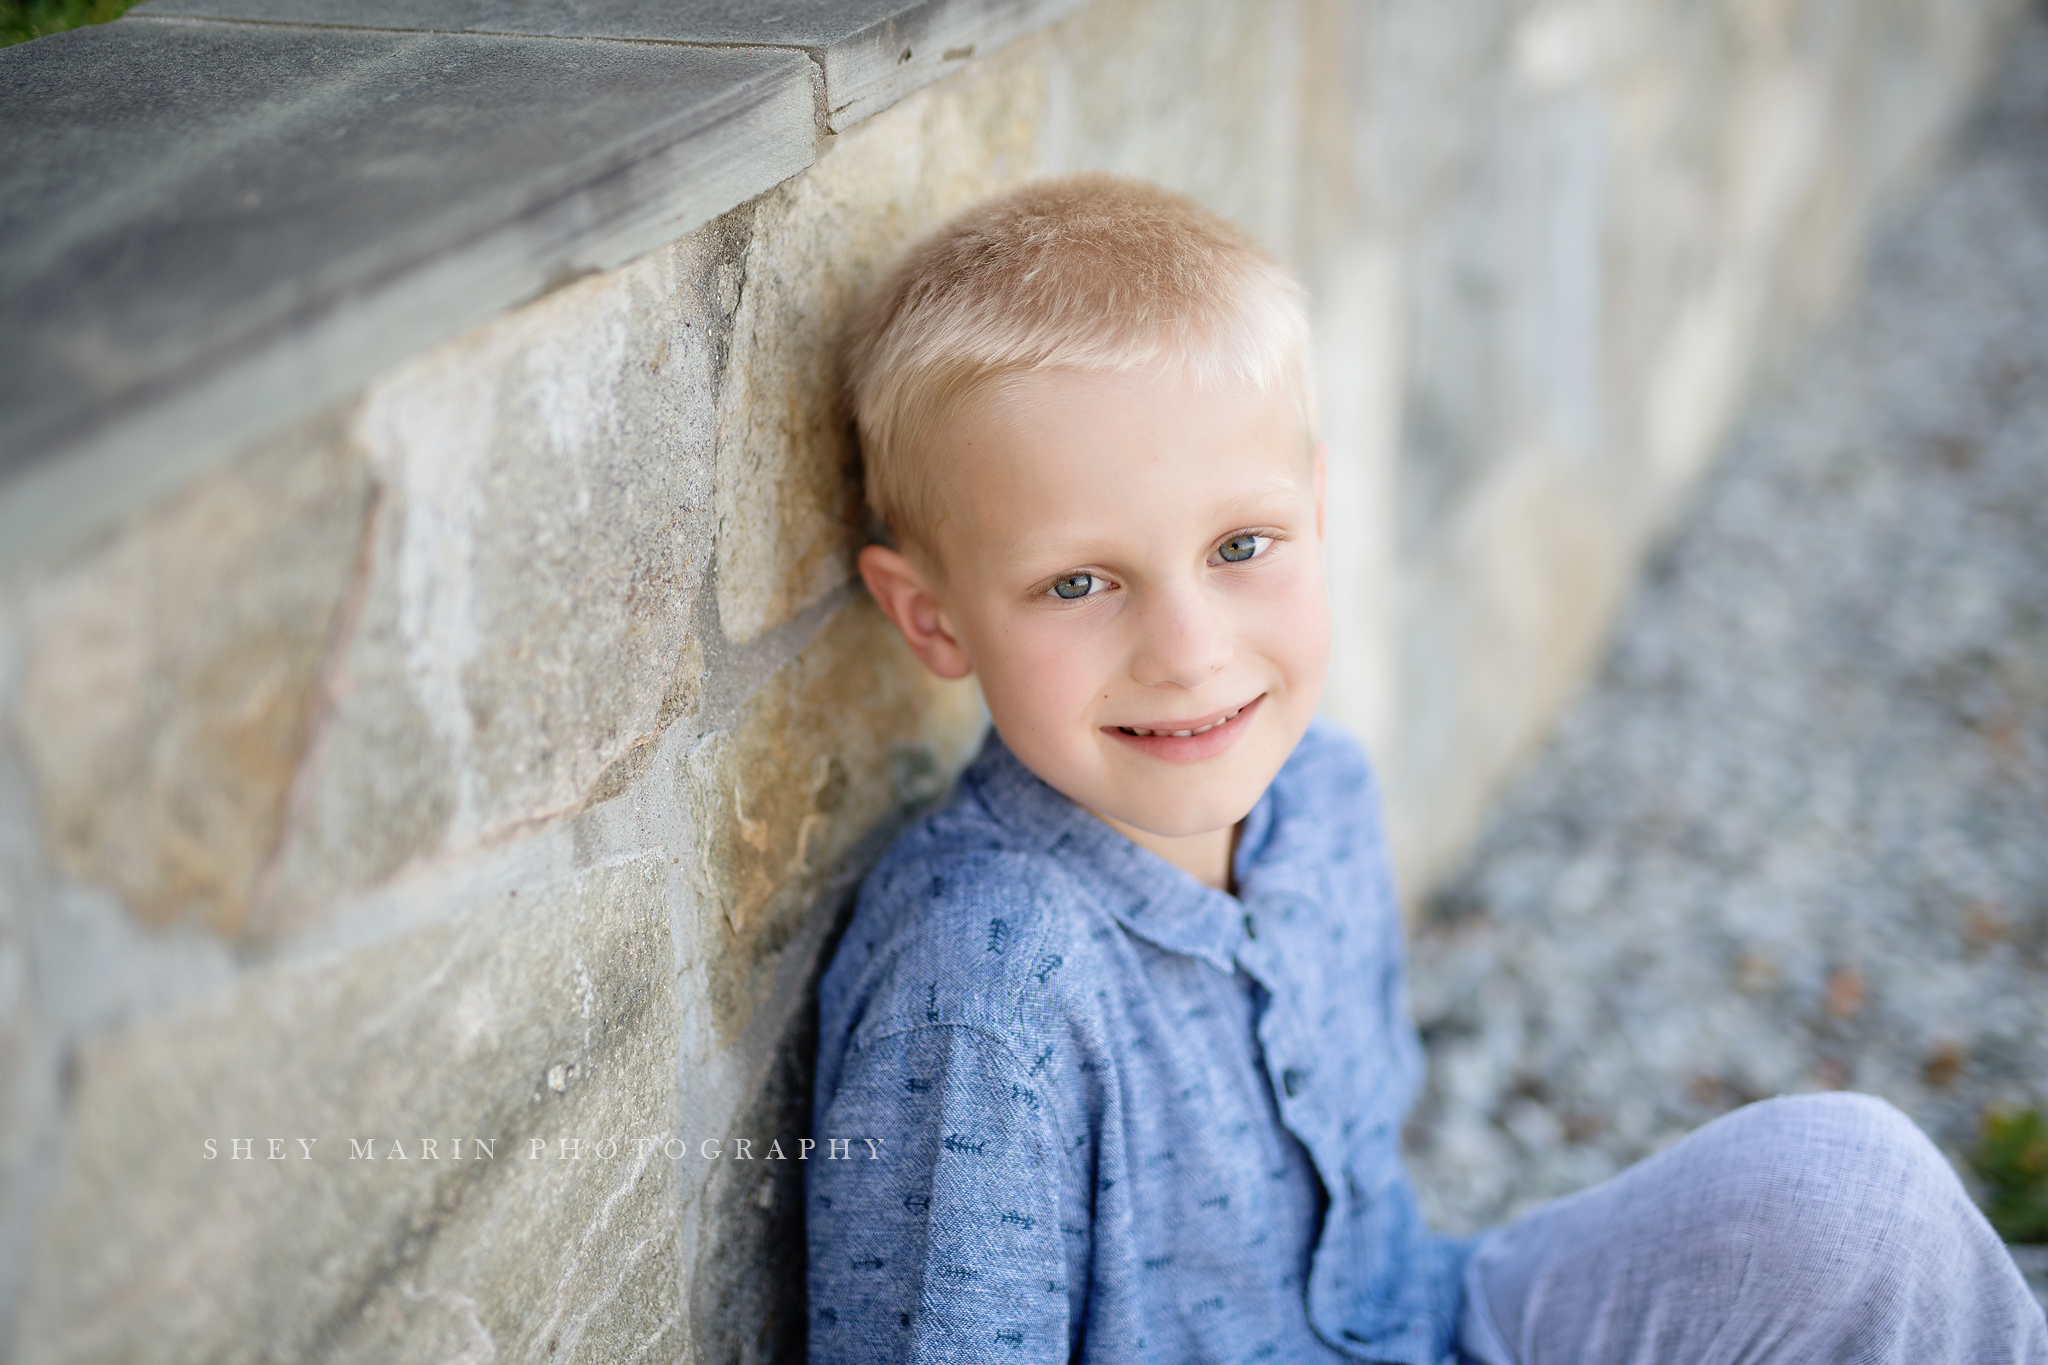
1089,272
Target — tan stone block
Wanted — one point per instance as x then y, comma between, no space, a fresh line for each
833,747
1206,97
174,677
547,1015
526,632
1503,628
377,790
788,503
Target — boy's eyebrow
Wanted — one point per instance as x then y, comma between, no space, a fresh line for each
1240,505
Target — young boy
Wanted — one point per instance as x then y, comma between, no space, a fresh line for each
1127,1017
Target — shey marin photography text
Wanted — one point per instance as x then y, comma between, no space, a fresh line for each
640,1149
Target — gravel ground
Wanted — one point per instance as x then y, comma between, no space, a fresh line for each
1795,837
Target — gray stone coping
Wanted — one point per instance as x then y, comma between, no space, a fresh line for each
872,52
218,217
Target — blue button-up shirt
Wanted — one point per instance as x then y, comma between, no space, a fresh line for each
1119,1115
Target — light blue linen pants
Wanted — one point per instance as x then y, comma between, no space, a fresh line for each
1809,1228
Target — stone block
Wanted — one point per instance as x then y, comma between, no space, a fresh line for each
1208,98
538,1017
525,631
270,214
1496,636
872,52
746,1296
1616,226
174,677
780,800
788,517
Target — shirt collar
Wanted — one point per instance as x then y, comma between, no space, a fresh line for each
1147,895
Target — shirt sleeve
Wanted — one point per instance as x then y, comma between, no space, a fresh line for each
940,1241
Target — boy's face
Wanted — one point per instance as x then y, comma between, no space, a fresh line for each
1128,558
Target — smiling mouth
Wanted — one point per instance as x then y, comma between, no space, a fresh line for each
1183,734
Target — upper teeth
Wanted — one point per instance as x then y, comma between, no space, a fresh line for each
1182,734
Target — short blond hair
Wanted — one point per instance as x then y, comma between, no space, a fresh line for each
1089,272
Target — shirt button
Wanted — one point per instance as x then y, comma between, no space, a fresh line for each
1251,928
1291,1081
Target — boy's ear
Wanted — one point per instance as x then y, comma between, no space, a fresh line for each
1322,471
907,599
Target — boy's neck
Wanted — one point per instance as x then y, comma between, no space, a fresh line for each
1206,857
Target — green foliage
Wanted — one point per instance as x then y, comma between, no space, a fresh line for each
21,20
2012,1161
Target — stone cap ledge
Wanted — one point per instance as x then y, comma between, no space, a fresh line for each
872,52
220,216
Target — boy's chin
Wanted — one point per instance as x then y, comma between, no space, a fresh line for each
1180,819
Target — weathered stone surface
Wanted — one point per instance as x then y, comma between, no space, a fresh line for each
543,1016
74,962
1498,623
1622,219
745,1295
171,686
872,52
788,517
1208,99
525,635
780,799
800,23
274,213
29,1121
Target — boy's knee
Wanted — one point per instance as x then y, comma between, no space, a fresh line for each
1831,1136
1816,1218
1848,1204
1832,1122
1818,1175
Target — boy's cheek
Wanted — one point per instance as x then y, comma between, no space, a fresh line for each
1291,621
1039,676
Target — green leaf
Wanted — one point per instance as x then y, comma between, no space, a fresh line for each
2011,1159
21,20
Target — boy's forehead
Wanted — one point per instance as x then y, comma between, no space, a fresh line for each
1136,424
1064,459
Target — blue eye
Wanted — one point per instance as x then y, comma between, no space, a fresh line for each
1074,585
1240,547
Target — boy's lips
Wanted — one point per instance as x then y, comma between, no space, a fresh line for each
1191,740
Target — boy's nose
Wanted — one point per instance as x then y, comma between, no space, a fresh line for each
1184,640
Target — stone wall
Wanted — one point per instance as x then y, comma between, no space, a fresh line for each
484,750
